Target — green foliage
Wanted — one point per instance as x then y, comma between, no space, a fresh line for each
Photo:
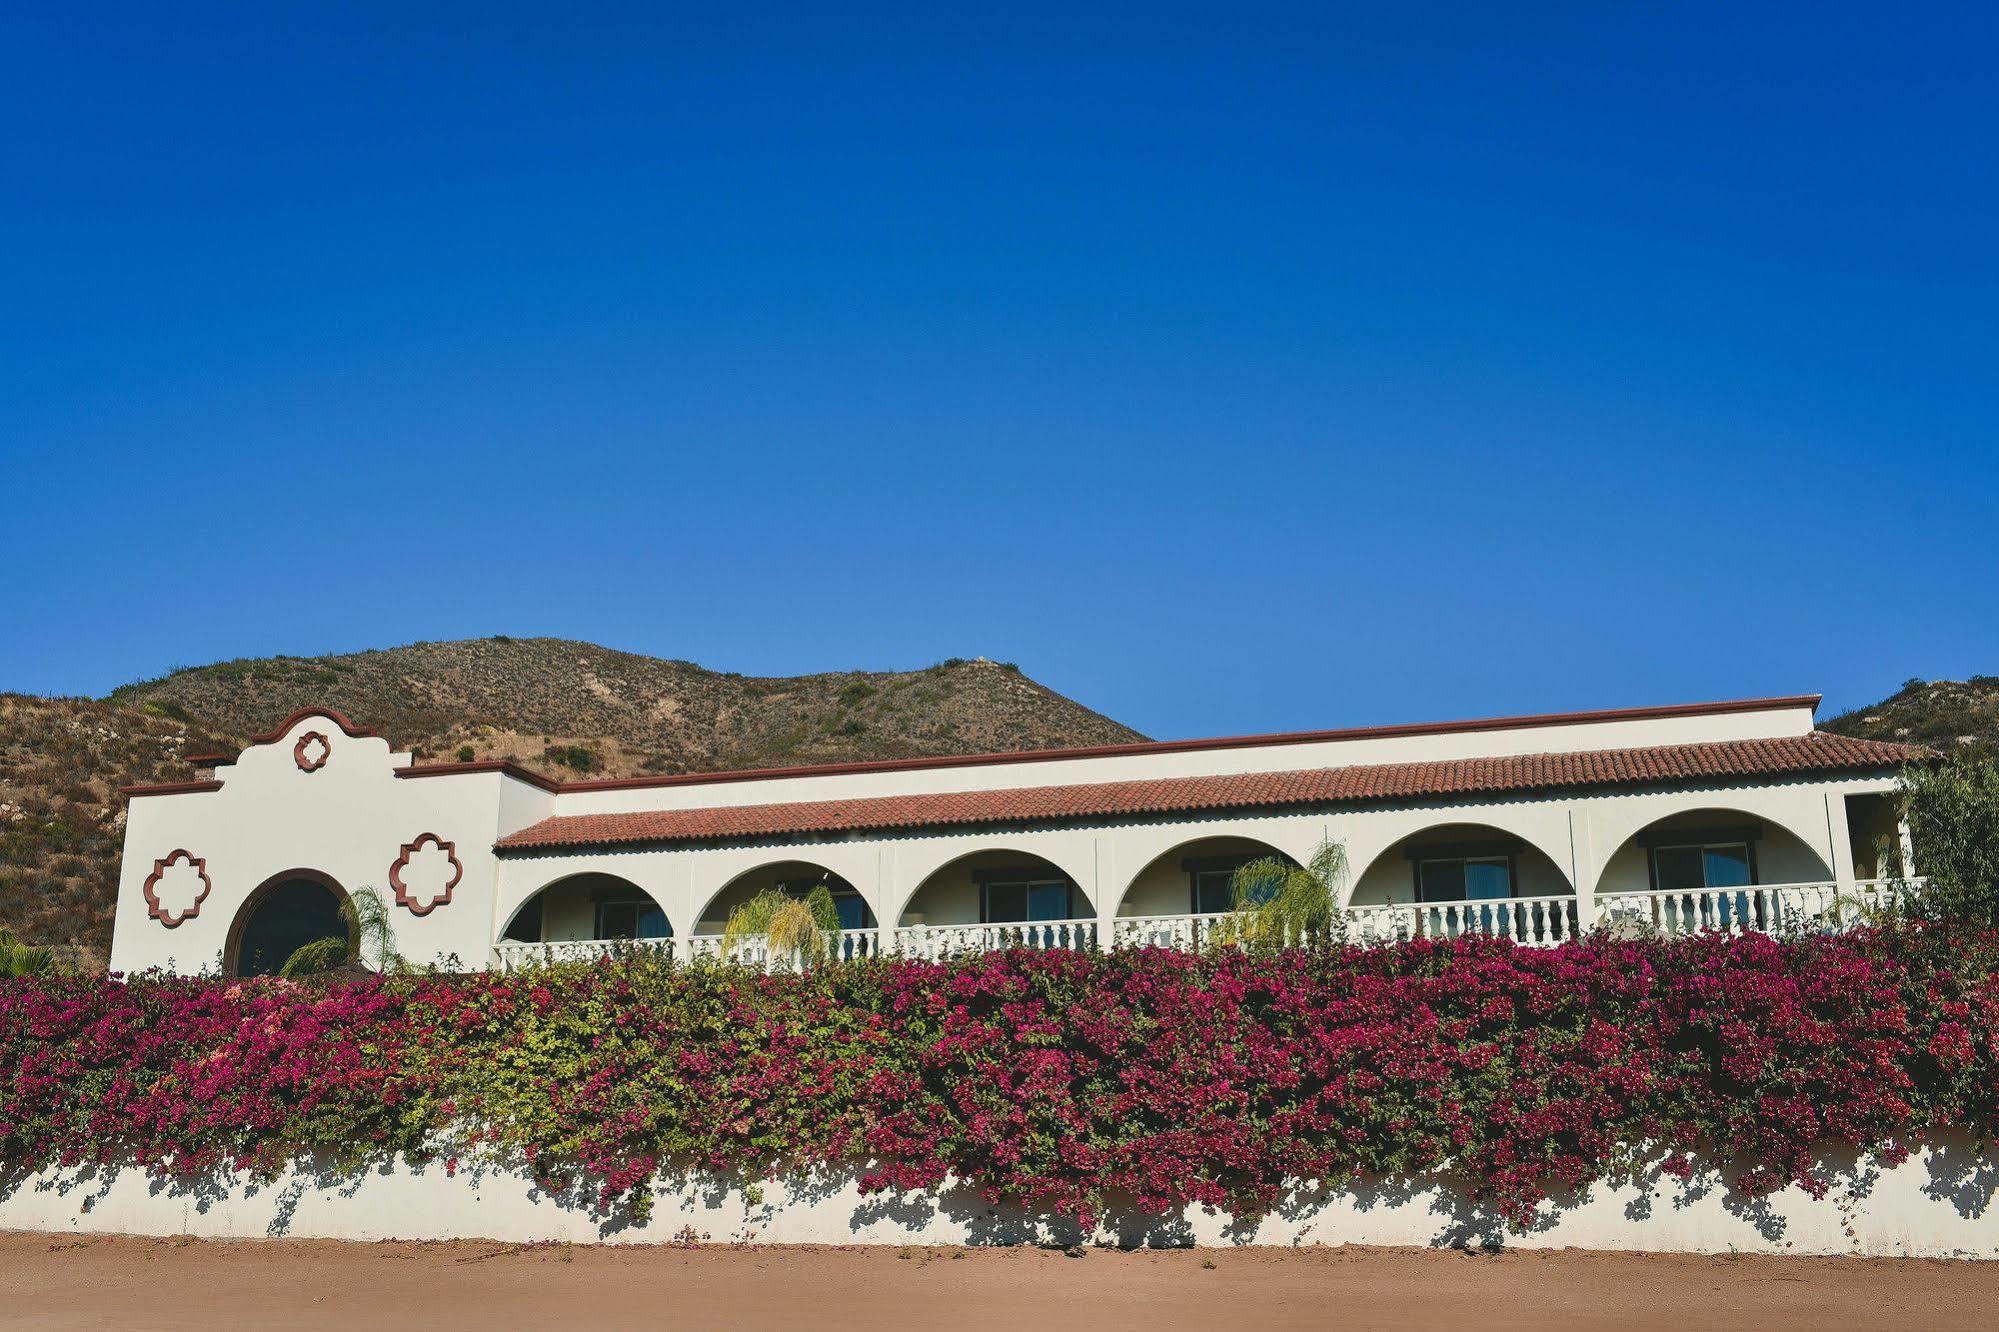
315,958
807,928
1954,821
1277,902
367,916
18,959
466,753
580,758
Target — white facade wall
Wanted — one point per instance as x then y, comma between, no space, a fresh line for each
1937,1204
351,818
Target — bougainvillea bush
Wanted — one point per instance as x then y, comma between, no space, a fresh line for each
1057,1080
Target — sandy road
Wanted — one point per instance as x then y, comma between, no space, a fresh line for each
59,1281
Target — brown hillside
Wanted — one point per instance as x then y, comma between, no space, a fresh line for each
1945,714
62,821
552,703
564,707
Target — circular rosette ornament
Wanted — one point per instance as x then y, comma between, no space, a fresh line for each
312,751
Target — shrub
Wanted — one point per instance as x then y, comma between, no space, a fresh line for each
1279,903
1058,1080
581,758
18,959
466,753
807,928
1954,821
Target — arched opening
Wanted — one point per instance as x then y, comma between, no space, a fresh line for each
1715,869
1459,862
1710,849
1194,878
1464,878
286,912
588,906
796,878
995,887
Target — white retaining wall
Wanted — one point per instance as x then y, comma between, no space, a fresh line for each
1938,1204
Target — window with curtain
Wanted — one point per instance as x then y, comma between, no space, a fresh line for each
1214,890
1003,901
1214,887
1691,868
630,918
1461,879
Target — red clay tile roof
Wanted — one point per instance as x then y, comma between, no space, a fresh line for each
1783,756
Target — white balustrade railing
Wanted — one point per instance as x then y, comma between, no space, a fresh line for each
940,941
1770,908
1758,908
512,956
1184,932
754,950
1526,920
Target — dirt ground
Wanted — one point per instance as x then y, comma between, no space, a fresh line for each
64,1281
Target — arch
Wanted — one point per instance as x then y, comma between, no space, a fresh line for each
797,877
283,913
1485,856
1775,853
983,884
585,904
1180,879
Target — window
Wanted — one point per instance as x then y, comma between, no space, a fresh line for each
1212,883
1691,868
1214,890
1461,879
630,918
853,911
1707,865
1024,899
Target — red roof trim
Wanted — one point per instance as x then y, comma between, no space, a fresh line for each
1220,742
169,788
1789,756
505,767
338,719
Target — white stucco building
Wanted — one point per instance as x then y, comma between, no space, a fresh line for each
1721,815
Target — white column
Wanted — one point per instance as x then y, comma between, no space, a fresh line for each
1839,845
1106,892
1582,867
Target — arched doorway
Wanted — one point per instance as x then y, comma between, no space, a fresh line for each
996,887
284,914
586,907
1195,879
795,878
1464,878
1716,869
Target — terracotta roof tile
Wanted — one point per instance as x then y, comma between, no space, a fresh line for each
1788,755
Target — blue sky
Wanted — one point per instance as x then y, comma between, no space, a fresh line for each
1229,369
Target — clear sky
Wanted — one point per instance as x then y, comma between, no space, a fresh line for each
1228,369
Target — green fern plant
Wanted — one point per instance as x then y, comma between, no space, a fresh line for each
805,928
370,940
1279,903
18,959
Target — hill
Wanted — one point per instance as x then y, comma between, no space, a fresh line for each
563,707
1945,714
62,821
